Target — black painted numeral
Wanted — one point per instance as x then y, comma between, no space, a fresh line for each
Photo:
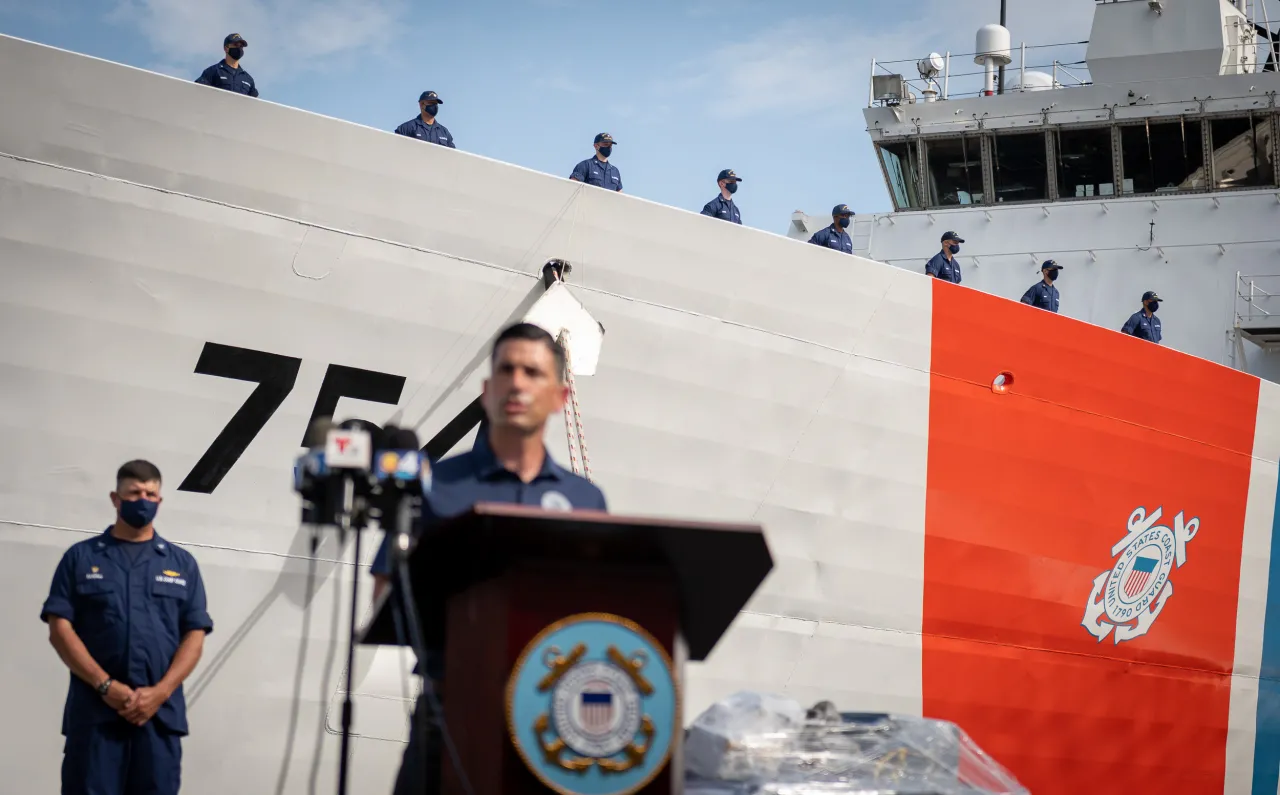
275,376
341,381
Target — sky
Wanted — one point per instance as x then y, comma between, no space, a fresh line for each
770,88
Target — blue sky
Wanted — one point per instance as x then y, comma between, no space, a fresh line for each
770,88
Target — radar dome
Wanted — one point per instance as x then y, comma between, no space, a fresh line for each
994,42
1037,81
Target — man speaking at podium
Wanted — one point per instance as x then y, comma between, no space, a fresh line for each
509,464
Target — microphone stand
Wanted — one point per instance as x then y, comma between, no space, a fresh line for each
344,525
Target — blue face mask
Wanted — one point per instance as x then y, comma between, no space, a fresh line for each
605,151
844,222
138,513
954,248
433,110
732,187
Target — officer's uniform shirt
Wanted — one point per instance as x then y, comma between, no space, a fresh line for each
724,209
1044,296
131,604
948,270
602,175
460,482
834,238
1143,327
433,133
220,75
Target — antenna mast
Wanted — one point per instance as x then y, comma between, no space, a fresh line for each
1000,83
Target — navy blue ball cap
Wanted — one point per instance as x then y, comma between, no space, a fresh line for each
1049,265
235,38
729,175
430,96
952,236
842,209
604,138
1150,295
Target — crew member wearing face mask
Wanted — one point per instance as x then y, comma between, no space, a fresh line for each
127,615
228,73
424,126
836,237
1144,324
1043,294
722,206
598,170
944,265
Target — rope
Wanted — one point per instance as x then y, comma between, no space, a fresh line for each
573,425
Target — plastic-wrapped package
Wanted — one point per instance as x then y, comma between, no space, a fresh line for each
765,744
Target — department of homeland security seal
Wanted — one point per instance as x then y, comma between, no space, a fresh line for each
592,705
1134,592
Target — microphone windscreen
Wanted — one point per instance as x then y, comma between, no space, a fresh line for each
375,433
317,432
402,439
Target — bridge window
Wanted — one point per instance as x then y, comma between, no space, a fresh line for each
955,171
1163,157
1084,163
1242,152
903,172
1019,167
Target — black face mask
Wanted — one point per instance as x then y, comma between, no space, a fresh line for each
236,53
1052,275
605,151
432,110
844,222
954,248
732,187
1153,306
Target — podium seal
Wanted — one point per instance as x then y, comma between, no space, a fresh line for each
592,705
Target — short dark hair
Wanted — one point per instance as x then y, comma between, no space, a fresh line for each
534,333
139,470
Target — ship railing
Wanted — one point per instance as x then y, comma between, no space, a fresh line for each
1257,309
891,82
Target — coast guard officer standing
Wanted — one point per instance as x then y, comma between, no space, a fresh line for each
1144,324
424,126
1043,294
835,237
508,463
228,73
943,265
598,170
127,615
722,206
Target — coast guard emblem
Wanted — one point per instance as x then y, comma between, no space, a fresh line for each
1130,597
592,705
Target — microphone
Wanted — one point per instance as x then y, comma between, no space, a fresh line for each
310,475
403,475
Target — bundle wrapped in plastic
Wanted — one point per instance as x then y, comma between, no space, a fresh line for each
764,744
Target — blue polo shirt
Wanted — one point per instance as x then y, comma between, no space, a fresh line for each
433,133
834,238
459,482
1143,327
948,270
131,605
601,174
724,209
1041,295
220,75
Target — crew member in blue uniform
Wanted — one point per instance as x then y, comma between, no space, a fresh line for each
1043,294
508,463
127,615
722,206
598,170
228,73
1144,324
835,237
943,265
424,126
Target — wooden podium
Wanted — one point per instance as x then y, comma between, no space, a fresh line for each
490,583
